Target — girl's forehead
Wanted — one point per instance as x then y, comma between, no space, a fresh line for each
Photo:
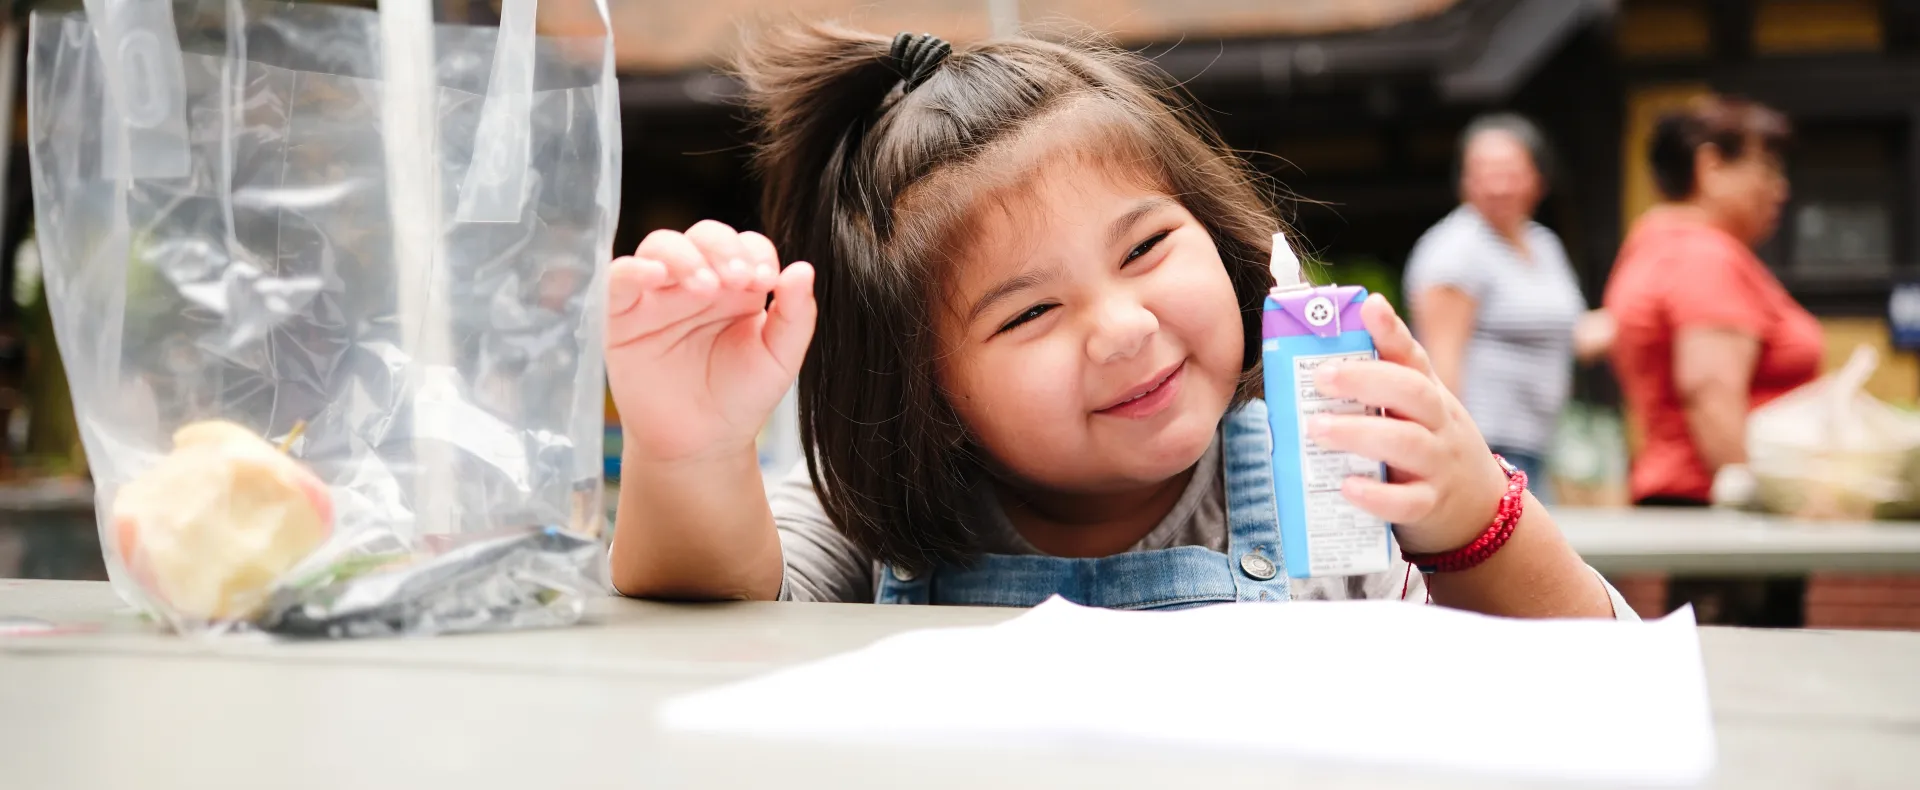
1086,133
1043,190
1053,204
1009,201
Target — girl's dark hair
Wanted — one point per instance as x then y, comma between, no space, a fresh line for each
872,184
1724,122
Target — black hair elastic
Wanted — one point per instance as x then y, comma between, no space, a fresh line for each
916,56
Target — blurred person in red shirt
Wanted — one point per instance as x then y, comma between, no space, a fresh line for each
1704,332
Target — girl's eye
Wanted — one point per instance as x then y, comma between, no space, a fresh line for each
1032,312
1145,246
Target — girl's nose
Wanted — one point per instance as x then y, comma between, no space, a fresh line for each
1122,329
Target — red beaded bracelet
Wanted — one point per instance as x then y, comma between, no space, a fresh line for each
1483,547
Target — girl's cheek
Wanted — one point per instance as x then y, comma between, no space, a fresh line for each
1210,325
1201,302
1020,378
1039,373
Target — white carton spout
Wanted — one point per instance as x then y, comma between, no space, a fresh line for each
1284,265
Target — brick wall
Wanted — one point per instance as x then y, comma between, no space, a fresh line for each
1885,601
1834,600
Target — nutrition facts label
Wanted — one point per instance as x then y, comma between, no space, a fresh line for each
1341,538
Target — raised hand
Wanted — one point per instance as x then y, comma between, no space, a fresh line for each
696,358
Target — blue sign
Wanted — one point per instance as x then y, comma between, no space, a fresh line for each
1903,315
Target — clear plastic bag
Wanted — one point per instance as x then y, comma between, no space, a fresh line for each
1829,450
245,216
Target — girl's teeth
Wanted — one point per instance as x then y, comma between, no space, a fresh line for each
1150,391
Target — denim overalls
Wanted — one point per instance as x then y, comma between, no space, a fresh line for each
1185,576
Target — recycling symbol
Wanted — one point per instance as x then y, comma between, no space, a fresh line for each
1319,311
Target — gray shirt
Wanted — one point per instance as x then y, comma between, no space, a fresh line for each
1519,361
823,565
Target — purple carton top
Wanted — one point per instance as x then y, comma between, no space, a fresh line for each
1322,311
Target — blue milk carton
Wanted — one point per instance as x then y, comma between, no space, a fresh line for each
1303,327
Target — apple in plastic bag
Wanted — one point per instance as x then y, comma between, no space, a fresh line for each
209,528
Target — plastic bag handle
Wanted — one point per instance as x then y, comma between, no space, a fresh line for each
145,118
1846,385
494,189
1853,376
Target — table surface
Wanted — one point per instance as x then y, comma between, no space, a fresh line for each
1704,540
125,707
1613,540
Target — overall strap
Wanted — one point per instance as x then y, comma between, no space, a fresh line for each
1254,553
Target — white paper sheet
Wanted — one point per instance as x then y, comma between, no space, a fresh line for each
1379,681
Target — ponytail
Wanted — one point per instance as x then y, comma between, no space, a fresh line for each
817,92
814,90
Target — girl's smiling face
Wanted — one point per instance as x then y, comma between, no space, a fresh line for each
1092,339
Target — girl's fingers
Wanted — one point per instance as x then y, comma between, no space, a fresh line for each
1391,337
1405,446
790,320
1397,503
643,302
629,279
721,246
710,276
764,259
1407,393
684,262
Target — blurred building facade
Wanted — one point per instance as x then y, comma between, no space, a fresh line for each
1354,106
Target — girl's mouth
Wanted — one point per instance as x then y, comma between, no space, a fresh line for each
1149,398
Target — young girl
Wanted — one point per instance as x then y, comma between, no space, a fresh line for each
1038,281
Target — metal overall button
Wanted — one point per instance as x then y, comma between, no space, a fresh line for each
1257,567
901,574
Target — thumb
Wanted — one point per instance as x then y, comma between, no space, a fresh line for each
1391,337
790,320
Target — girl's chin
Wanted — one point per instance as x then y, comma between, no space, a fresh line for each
1123,455
1169,451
